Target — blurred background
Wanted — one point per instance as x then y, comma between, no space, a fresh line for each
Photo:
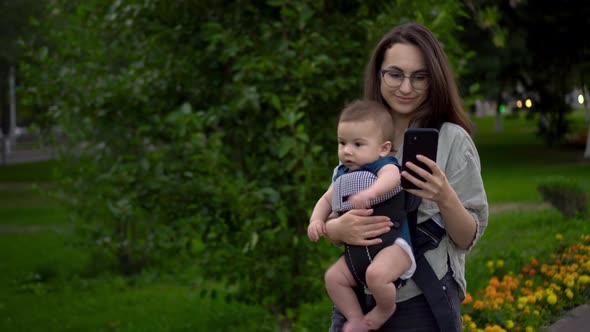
160,159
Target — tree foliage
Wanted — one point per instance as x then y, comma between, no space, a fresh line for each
535,49
205,129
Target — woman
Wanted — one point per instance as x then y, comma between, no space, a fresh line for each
409,73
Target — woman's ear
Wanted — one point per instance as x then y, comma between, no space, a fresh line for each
385,149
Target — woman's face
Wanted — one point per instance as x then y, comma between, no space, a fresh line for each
404,60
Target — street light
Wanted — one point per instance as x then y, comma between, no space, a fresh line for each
581,99
519,103
528,103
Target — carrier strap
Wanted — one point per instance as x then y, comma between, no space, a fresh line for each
428,236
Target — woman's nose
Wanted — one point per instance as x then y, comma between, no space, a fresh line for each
406,86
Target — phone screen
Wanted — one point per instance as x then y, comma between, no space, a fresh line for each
422,141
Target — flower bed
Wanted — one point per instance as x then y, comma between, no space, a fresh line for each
535,296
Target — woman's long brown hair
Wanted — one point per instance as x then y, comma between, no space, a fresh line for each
443,103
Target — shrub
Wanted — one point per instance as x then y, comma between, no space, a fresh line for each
200,122
566,195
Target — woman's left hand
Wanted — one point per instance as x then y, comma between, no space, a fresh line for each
435,187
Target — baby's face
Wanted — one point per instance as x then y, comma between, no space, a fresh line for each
359,143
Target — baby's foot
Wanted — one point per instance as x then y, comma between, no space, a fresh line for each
355,326
378,316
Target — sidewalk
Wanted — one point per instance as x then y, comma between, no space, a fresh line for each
25,156
577,320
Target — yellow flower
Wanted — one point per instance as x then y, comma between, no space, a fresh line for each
509,324
551,298
490,264
529,329
569,293
558,237
584,279
499,263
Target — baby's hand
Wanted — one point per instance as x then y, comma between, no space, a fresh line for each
316,229
361,200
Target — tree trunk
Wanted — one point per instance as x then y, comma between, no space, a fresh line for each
586,101
499,126
283,322
4,109
12,105
587,152
499,103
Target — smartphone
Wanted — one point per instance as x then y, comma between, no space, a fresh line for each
422,141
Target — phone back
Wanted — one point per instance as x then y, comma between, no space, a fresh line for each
422,141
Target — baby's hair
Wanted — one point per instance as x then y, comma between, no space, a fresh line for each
367,110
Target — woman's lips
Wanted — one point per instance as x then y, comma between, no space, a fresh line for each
404,100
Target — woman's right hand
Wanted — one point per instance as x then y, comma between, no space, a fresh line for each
358,227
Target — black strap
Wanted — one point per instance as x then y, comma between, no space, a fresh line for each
428,236
435,295
412,202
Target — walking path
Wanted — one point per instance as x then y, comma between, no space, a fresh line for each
25,156
576,320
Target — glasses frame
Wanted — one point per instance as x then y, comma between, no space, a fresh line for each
411,77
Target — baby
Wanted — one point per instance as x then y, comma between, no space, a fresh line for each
367,177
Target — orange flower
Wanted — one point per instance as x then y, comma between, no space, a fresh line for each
494,282
478,305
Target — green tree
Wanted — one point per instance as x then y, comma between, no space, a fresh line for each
538,45
205,129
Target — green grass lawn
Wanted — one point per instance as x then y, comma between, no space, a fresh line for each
48,284
515,160
519,236
42,171
44,289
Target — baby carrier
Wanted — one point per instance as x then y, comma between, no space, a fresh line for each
400,206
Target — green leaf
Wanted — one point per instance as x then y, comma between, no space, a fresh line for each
276,102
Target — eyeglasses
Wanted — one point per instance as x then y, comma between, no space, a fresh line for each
394,78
